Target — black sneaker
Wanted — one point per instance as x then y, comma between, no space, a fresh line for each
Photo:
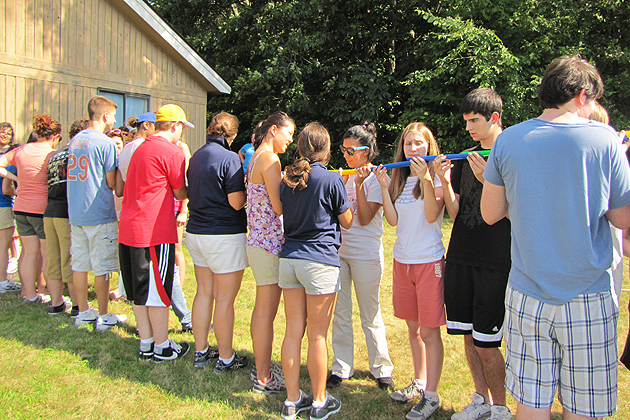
332,406
290,412
172,352
239,362
55,310
146,354
203,359
385,383
74,312
334,381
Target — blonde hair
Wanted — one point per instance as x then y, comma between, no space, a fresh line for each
599,114
400,175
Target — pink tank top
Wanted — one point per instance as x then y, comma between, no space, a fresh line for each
265,226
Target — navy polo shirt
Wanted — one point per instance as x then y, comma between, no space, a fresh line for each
214,172
311,228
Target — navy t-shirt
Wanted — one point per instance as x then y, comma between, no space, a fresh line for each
7,200
311,228
214,172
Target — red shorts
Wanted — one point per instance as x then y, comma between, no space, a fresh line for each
418,293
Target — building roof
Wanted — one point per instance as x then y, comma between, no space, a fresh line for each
143,15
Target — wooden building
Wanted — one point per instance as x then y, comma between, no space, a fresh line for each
56,54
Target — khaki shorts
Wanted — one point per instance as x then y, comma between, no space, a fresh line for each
264,266
30,225
220,253
58,248
95,248
316,278
6,217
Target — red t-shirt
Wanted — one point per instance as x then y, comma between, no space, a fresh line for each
147,218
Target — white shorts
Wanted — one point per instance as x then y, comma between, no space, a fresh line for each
220,253
264,266
95,248
316,278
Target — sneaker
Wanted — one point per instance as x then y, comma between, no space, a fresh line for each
12,266
55,310
274,385
86,317
10,286
187,328
146,354
173,352
290,412
239,362
385,383
203,359
275,369
332,406
423,409
74,312
334,381
37,299
408,393
478,409
500,412
105,322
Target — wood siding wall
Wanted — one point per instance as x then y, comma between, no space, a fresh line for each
56,54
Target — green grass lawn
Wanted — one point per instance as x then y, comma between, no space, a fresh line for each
51,369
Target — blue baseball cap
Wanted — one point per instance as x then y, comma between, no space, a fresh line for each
147,116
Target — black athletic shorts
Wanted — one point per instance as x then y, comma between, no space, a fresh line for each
475,302
148,273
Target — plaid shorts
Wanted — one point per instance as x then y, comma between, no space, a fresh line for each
573,346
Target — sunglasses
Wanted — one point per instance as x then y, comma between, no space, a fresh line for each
351,150
114,132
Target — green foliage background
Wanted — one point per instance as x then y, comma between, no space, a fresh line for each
392,62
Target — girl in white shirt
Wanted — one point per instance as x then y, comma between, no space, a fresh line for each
413,202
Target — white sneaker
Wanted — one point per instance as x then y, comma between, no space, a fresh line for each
500,412
478,409
408,393
86,317
105,322
10,286
12,267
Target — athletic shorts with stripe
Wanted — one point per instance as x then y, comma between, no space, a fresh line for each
148,274
475,302
570,350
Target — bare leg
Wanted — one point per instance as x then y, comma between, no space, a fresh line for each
267,301
320,309
434,355
476,368
417,350
158,317
6,239
524,412
202,306
226,287
291,346
180,260
80,282
29,268
494,373
144,324
101,287
567,415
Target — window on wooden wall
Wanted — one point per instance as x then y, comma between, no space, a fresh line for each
129,104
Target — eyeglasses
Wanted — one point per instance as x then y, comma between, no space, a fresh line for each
351,150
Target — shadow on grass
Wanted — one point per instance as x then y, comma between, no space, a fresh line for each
115,354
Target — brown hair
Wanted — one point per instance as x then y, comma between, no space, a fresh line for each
163,125
223,124
78,126
400,175
313,146
365,134
8,125
45,127
564,80
278,118
98,106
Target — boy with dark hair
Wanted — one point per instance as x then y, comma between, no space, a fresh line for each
561,318
477,262
148,232
91,211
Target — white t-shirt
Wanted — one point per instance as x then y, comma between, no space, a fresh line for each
125,156
417,241
363,242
